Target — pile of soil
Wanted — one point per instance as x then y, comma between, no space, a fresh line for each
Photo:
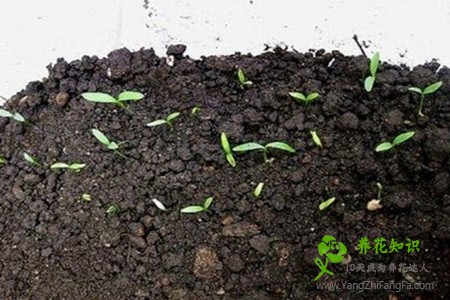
54,245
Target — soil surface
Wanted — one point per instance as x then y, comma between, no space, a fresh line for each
54,245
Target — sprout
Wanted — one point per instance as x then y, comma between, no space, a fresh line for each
159,204
370,80
2,160
326,203
195,111
258,190
316,138
300,97
380,190
227,150
31,160
113,209
72,167
105,141
426,91
86,197
198,208
374,204
255,146
401,138
119,101
15,116
242,79
168,120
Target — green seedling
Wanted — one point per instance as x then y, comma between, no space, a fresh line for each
227,149
242,79
198,208
326,203
168,120
370,80
113,146
258,190
75,167
86,197
307,99
426,91
31,160
255,146
113,210
14,116
401,138
195,111
316,139
2,161
159,204
120,101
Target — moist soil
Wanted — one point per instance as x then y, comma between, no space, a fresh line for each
54,245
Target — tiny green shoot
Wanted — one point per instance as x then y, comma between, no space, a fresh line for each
86,197
167,121
120,101
15,116
426,91
113,146
2,160
113,210
255,146
370,80
242,79
195,111
258,190
307,99
401,138
227,149
75,167
159,204
31,160
326,203
380,190
316,139
198,208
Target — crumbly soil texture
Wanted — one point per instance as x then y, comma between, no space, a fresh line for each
55,245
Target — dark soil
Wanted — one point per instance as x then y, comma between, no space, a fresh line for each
54,245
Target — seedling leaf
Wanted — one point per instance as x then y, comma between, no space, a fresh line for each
192,209
156,123
281,146
326,203
241,76
298,96
207,203
130,96
172,116
30,159
224,141
374,62
5,113
101,137
2,160
18,117
59,166
248,147
258,190
99,97
86,197
384,147
113,146
316,138
415,90
368,83
312,97
432,88
403,137
159,204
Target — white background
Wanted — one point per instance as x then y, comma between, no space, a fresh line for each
33,33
